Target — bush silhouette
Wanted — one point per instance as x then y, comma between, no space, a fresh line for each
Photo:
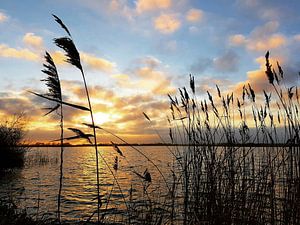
11,136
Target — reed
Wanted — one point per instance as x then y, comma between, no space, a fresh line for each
52,81
241,159
73,57
225,178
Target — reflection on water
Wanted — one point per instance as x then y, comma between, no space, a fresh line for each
248,181
35,187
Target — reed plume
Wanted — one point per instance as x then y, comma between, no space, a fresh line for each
73,57
52,81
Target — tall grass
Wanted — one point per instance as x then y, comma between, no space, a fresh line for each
73,57
240,163
52,81
54,95
231,173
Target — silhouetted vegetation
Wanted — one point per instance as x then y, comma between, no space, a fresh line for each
52,81
232,183
11,136
223,172
11,215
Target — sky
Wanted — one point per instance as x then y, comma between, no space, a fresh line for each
135,52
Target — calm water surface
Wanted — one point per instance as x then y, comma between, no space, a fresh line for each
35,187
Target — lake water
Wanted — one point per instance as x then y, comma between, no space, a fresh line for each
258,173
35,187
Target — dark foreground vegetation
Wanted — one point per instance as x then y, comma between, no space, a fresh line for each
11,215
216,178
11,137
238,183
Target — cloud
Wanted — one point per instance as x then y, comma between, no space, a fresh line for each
91,61
120,114
228,62
194,15
121,78
167,23
16,104
296,37
266,10
207,83
193,30
97,92
150,61
272,42
34,54
154,80
261,39
34,41
150,5
258,78
97,63
23,53
3,17
201,65
119,8
266,29
148,77
58,57
237,40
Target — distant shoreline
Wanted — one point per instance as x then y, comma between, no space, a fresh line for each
164,144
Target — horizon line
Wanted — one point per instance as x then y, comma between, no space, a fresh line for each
164,144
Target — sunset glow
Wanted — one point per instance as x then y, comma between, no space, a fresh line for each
136,52
150,112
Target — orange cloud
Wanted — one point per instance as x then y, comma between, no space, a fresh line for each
36,42
58,57
3,17
91,61
261,39
22,53
167,23
272,42
149,5
155,81
194,15
121,115
258,78
32,40
148,79
97,63
237,39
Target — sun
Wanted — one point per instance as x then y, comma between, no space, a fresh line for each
101,118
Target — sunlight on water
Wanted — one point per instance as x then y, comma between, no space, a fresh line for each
36,186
